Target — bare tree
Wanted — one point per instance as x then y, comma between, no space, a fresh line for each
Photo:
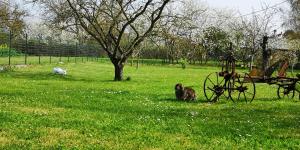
12,17
181,28
108,22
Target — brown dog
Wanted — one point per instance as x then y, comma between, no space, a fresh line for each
184,93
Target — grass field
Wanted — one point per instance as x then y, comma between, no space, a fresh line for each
87,110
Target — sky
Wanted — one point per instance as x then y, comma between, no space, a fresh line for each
245,6
242,7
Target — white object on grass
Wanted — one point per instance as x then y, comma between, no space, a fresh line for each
60,71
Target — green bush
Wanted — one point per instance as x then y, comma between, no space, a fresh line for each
183,63
4,52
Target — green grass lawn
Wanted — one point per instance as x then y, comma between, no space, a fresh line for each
87,110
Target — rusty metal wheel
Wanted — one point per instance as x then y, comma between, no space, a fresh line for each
242,88
297,89
285,91
214,87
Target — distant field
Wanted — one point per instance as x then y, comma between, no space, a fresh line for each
87,110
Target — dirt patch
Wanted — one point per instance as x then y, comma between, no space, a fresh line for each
53,136
6,139
40,111
21,66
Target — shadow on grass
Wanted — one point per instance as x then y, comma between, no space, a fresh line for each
46,76
182,101
52,76
175,100
114,81
224,101
295,99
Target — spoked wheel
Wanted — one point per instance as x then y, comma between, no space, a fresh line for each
214,87
242,88
297,88
286,91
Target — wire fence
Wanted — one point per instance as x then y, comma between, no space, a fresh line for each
23,50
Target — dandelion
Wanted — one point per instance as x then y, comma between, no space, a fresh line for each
194,113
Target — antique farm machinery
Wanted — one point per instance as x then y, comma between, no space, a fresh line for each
229,83
241,86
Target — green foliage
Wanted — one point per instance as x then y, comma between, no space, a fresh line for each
216,40
4,52
183,63
87,110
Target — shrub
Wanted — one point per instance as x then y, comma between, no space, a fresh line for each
183,63
4,52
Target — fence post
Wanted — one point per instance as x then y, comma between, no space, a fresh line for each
76,51
87,55
39,52
138,61
60,54
50,52
26,48
9,50
69,52
81,56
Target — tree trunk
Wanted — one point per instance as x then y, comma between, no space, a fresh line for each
118,71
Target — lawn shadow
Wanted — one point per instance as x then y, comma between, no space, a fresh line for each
108,81
114,81
267,99
182,101
52,76
46,76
